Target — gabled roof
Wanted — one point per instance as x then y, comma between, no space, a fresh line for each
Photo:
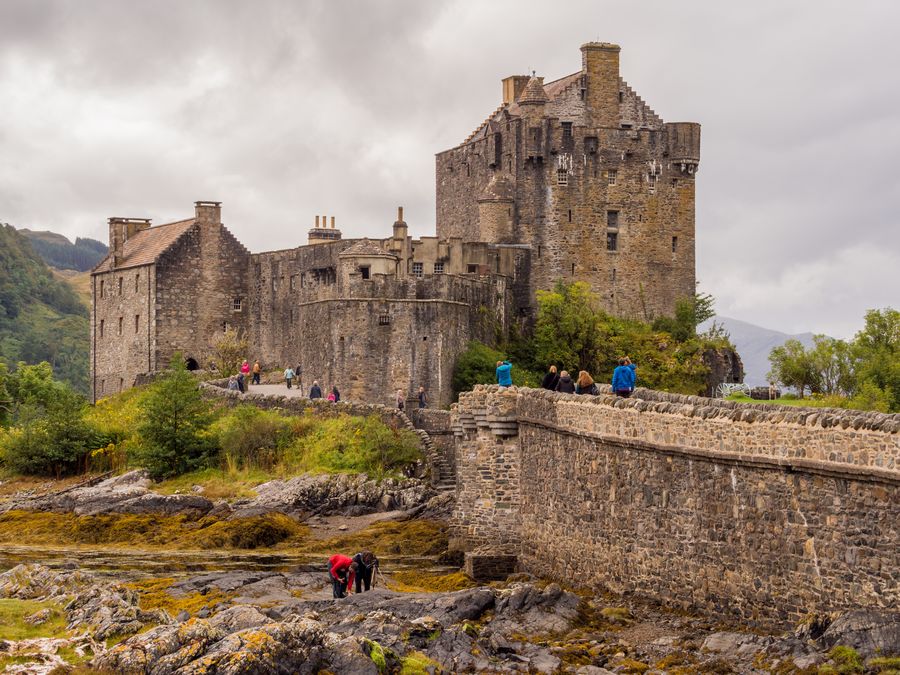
365,248
146,246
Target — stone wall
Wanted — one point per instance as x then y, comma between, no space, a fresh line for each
755,514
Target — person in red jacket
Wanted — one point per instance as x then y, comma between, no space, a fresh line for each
342,570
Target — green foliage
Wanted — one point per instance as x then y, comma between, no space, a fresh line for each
51,436
689,313
41,318
353,445
478,365
249,437
863,374
174,431
228,353
569,325
846,660
57,251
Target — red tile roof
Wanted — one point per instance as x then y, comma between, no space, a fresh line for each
146,246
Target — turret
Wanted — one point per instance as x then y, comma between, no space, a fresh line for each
495,207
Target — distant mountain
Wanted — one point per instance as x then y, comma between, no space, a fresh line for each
59,252
41,317
754,343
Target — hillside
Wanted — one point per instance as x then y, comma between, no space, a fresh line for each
41,317
754,343
59,252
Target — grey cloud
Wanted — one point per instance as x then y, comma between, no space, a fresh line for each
284,110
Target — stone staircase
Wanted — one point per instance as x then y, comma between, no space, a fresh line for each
443,478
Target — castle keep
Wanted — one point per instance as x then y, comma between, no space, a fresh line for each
576,180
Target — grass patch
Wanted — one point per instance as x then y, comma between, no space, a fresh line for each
415,581
416,663
178,532
795,402
216,483
14,627
885,665
408,537
154,594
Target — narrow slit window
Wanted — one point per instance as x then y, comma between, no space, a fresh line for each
120,285
570,215
674,244
102,287
137,323
137,280
101,327
121,321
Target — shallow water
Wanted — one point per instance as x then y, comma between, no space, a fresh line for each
124,564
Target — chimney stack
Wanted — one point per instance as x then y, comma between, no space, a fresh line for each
208,212
600,65
400,229
120,231
512,87
317,222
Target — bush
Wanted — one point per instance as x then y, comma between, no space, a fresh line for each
173,435
478,365
250,438
353,445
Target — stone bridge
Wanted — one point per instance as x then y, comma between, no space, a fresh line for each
755,513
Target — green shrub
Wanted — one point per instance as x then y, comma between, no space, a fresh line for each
174,434
352,445
251,438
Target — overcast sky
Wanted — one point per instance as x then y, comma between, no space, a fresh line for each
287,109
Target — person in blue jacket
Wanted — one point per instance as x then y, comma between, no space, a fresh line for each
504,373
624,377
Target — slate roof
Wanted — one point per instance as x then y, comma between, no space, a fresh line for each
146,246
533,92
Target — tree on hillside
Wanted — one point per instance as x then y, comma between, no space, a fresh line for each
176,418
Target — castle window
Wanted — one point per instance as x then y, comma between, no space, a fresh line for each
651,181
102,385
612,219
613,275
562,177
438,268
611,176
418,270
570,215
120,285
225,326
472,268
102,287
292,315
101,327
567,131
121,383
612,241
237,304
364,272
120,324
621,96
384,320
674,244
137,280
293,282
573,269
137,323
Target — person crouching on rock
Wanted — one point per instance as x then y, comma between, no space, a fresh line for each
341,570
366,564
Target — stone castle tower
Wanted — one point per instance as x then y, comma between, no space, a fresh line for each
583,171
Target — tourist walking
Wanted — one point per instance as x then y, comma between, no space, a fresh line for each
256,372
335,394
551,379
315,391
565,384
341,571
624,377
585,384
232,384
366,564
288,376
504,373
240,381
423,398
245,368
298,373
401,399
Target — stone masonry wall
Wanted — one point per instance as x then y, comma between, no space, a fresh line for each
760,515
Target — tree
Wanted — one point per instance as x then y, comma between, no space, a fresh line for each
831,360
792,366
876,353
568,331
176,418
228,352
690,312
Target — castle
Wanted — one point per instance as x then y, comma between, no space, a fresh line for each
577,179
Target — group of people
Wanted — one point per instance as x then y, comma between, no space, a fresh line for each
239,382
344,573
421,397
623,379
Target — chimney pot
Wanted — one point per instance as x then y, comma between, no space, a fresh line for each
317,222
332,222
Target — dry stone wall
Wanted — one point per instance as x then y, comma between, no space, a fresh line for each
755,514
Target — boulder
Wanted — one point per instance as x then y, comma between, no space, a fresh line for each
869,631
